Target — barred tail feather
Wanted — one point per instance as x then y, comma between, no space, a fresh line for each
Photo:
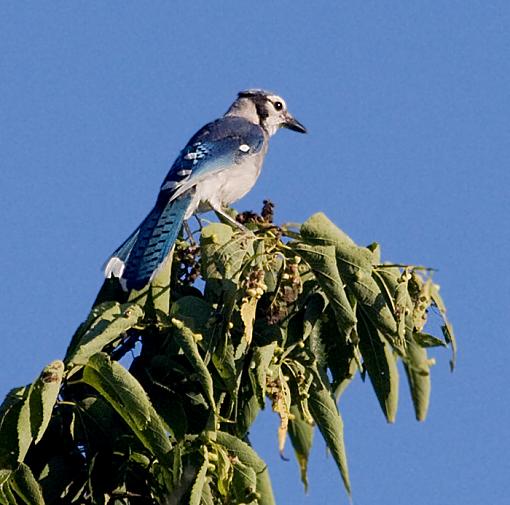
136,260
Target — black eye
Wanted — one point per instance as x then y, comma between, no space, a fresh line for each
278,105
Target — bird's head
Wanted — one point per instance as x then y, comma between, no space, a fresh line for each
265,109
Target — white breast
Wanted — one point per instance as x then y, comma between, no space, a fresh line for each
229,185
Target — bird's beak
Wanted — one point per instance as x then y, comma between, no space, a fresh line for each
293,124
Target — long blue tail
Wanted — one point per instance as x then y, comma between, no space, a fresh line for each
136,260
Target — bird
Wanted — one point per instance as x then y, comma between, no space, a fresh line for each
219,165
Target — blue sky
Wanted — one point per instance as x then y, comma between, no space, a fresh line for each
408,108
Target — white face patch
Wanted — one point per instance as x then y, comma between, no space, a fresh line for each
244,148
276,98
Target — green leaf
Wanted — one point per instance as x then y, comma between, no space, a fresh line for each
325,413
24,434
427,340
125,394
8,495
160,285
224,251
9,419
354,267
107,328
207,498
449,336
93,316
198,485
250,458
247,311
188,342
417,367
244,481
301,437
242,450
322,261
381,365
314,308
332,351
193,311
57,475
43,396
33,414
259,365
26,487
247,413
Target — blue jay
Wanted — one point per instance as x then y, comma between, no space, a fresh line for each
218,166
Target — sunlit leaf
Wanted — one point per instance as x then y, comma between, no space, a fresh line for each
354,266
301,436
9,434
322,261
328,419
250,458
417,368
188,341
44,395
247,311
160,285
244,481
224,251
198,485
125,394
194,312
107,328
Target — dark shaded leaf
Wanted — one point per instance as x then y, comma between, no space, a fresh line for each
381,365
259,365
427,340
26,487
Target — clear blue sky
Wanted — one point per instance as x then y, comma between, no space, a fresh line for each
408,109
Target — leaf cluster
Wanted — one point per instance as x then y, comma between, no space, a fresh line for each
156,395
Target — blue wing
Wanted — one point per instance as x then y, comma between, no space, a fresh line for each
213,148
